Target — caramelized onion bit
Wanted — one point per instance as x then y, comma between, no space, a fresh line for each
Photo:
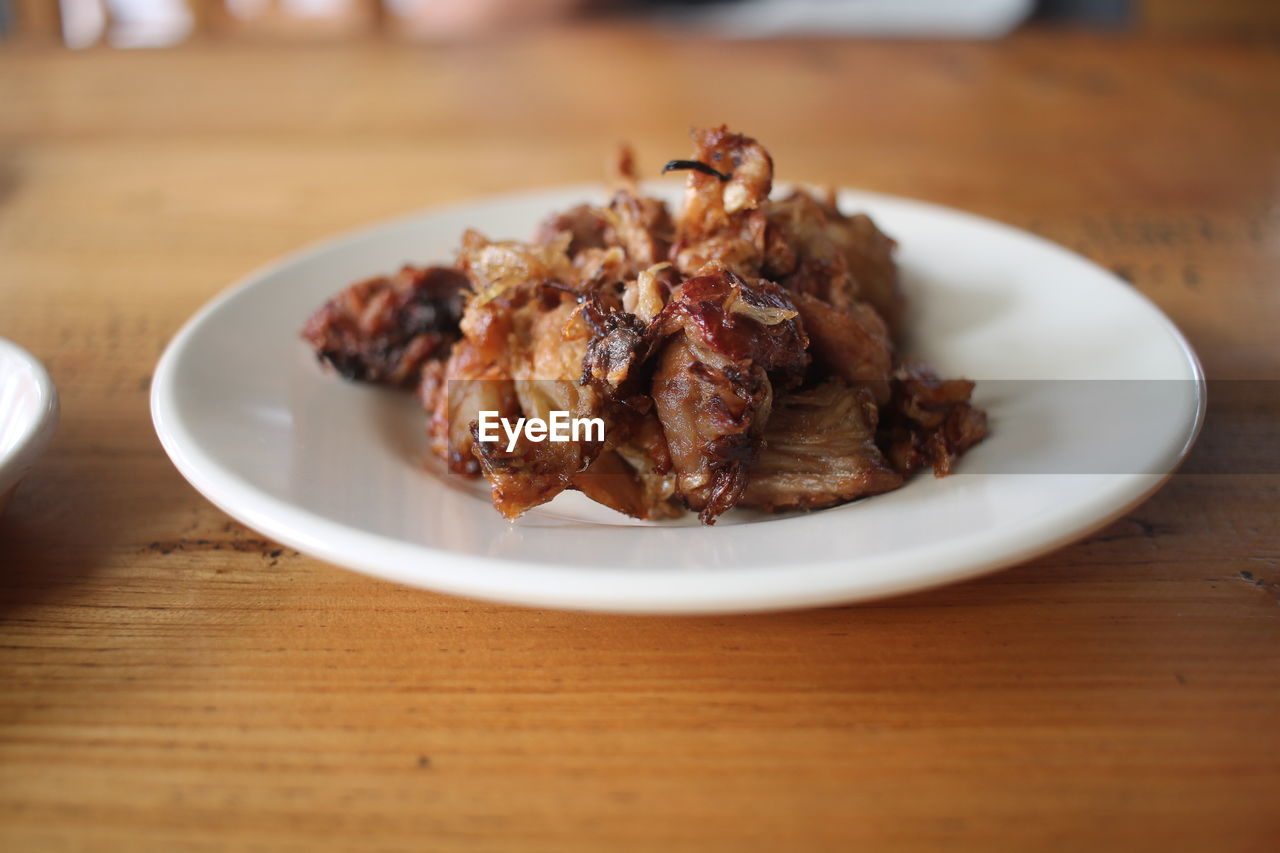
765,315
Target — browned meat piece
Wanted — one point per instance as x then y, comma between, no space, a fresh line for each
544,359
644,446
929,421
549,346
432,385
617,344
642,227
548,342
869,254
585,224
383,329
599,273
472,383
722,220
533,472
506,268
853,345
811,247
732,343
487,328
639,481
637,226
710,201
798,250
613,481
819,451
753,323
712,415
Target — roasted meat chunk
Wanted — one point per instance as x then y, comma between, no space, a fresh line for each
929,421
852,344
811,247
531,473
713,415
384,329
585,225
546,369
637,228
730,344
471,383
629,485
868,251
819,450
752,322
642,227
642,444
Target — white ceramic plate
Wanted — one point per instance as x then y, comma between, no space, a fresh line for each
337,469
28,414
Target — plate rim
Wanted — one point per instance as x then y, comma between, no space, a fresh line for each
491,578
37,432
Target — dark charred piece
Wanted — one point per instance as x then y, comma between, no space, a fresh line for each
618,342
384,329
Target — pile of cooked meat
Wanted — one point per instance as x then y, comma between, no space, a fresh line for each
741,352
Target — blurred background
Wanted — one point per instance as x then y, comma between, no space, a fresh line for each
1117,128
164,23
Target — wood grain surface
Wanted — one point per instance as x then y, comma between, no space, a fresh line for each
171,681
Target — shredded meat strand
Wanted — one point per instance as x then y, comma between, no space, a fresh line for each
819,451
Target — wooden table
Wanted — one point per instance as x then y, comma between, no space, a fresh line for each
172,681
